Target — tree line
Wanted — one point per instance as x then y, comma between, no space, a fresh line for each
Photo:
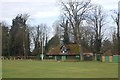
80,23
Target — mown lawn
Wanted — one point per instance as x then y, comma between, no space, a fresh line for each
47,69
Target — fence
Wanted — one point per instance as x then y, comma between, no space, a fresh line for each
18,57
114,58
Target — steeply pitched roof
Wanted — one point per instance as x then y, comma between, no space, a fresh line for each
72,49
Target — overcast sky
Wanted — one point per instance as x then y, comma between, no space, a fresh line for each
40,11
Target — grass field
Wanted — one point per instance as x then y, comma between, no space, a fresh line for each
45,69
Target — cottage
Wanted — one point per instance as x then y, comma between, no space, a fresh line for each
65,52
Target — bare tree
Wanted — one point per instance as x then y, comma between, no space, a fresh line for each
97,19
87,38
35,34
116,18
39,36
64,25
114,43
74,11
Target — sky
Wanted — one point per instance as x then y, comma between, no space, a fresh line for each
40,11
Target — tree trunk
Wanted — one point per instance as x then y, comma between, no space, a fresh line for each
118,33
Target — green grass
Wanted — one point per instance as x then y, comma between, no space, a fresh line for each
45,69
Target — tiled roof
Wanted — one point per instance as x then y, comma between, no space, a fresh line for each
72,49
